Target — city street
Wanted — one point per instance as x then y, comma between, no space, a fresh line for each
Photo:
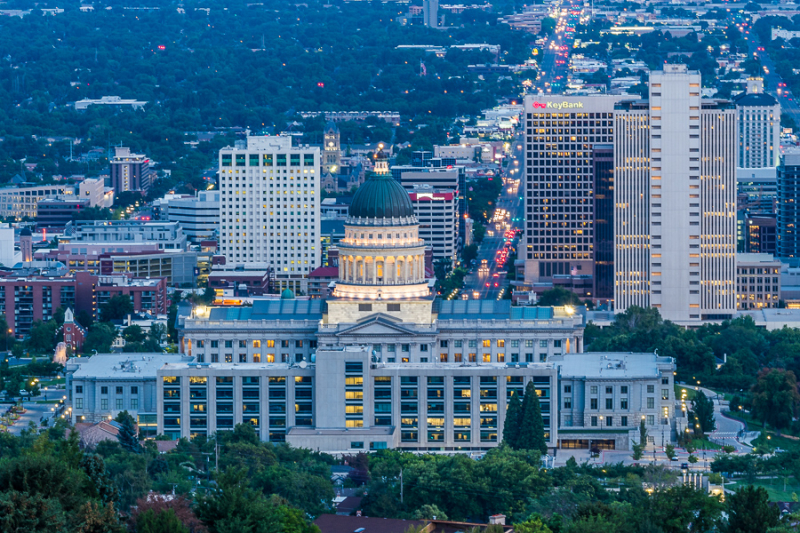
511,200
727,428
35,411
772,80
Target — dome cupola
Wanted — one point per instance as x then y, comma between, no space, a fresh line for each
379,200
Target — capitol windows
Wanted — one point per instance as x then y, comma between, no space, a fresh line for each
256,344
501,343
457,358
473,358
487,343
256,357
487,358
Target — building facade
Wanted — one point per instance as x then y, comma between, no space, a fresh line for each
759,127
381,363
331,150
198,215
789,205
560,135
758,281
168,236
437,213
36,297
130,172
270,208
102,386
20,202
675,198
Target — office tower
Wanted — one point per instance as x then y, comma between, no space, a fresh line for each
198,215
270,207
789,205
331,150
759,127
561,133
603,242
437,214
675,200
439,173
130,172
761,234
430,13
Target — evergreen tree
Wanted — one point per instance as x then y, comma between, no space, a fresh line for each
531,432
164,522
127,433
511,427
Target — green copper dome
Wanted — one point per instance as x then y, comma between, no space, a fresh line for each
287,294
381,196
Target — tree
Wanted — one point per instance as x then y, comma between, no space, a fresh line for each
429,512
531,433
134,333
558,296
702,414
470,252
237,507
638,448
160,503
116,308
749,511
511,426
96,518
127,436
775,397
164,522
693,459
42,337
669,451
100,338
102,486
533,525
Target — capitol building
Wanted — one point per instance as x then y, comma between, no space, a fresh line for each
385,363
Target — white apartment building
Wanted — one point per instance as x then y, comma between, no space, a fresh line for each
94,190
675,201
759,117
198,215
21,202
270,207
168,236
437,213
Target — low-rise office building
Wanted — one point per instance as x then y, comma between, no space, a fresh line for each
102,386
168,236
20,202
758,281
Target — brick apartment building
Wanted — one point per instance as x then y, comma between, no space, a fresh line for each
26,299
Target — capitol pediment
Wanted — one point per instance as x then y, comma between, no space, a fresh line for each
379,326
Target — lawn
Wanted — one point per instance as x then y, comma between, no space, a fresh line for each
774,488
690,392
52,382
703,444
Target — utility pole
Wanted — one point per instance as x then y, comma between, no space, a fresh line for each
401,486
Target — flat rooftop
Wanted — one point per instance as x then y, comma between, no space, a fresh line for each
122,366
609,365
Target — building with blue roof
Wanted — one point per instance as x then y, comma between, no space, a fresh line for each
383,363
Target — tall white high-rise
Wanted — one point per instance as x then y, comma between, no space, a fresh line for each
675,201
759,116
270,208
430,13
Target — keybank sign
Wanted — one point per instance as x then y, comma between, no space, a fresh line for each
558,105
